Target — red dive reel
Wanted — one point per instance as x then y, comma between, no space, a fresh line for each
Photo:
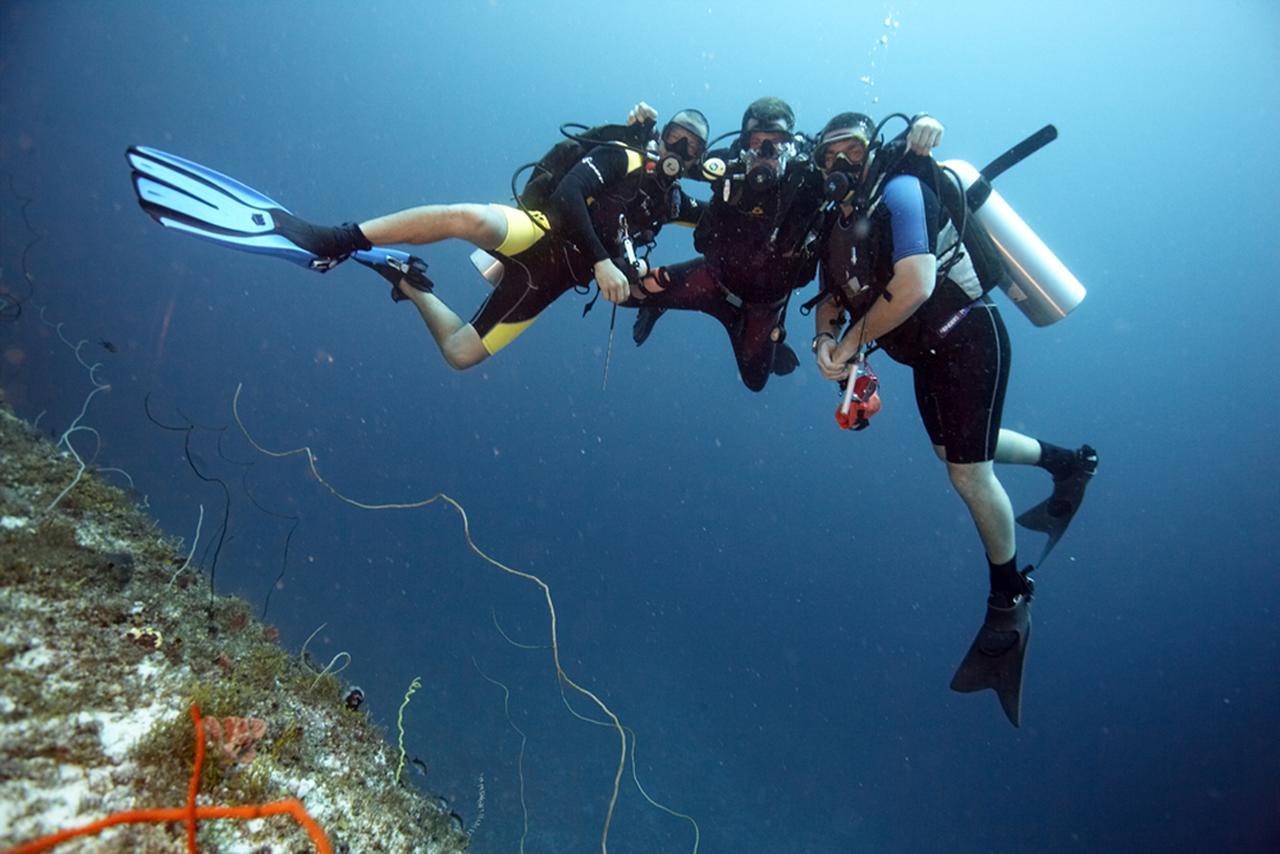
861,396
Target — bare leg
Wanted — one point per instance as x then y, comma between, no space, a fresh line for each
483,225
989,506
1017,449
459,342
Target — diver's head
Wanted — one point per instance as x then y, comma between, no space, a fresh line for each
766,120
766,142
843,143
683,142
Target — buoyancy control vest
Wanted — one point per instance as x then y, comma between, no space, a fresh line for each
561,157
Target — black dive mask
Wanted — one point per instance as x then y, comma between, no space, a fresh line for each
680,148
842,179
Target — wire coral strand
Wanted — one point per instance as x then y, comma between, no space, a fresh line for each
189,814
479,552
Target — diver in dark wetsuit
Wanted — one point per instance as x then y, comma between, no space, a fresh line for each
752,234
760,237
881,273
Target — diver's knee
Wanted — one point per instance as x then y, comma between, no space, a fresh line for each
461,361
479,224
970,479
964,476
464,349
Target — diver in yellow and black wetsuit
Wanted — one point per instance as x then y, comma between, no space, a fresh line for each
543,253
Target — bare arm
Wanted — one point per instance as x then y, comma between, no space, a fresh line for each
911,285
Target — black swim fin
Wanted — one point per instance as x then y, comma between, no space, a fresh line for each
998,654
394,265
785,360
646,317
1054,514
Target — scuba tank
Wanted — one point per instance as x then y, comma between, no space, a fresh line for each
548,171
1039,284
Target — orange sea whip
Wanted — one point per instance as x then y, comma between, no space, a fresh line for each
190,813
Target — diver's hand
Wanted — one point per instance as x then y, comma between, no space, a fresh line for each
612,281
641,113
925,135
827,364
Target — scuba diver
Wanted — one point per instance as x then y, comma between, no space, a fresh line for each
750,244
615,197
907,268
759,237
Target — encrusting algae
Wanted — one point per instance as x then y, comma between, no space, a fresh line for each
101,663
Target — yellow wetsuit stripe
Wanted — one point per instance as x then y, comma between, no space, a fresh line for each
503,334
522,232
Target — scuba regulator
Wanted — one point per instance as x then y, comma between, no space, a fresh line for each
757,172
672,164
764,168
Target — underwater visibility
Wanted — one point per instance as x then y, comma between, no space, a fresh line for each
536,562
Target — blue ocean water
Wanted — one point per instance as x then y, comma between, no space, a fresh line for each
775,607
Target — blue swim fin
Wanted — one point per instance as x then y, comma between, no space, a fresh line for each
185,196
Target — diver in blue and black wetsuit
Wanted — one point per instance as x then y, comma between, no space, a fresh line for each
882,282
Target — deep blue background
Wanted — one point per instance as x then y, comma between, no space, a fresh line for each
775,606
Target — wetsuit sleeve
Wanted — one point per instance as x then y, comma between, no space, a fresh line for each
603,165
912,217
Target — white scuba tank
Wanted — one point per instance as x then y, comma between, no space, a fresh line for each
1039,284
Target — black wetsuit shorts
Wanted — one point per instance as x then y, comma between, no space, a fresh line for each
960,383
537,268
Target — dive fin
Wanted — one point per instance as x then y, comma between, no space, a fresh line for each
395,265
185,196
646,317
1054,514
785,360
998,654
